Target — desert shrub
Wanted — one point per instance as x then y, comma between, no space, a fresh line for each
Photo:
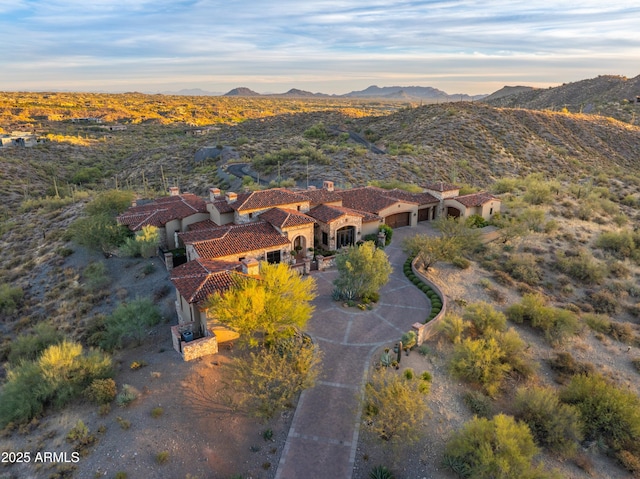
524,267
621,244
598,322
630,461
101,391
162,457
491,448
603,301
127,395
129,321
537,192
484,317
608,412
566,366
111,202
409,340
80,437
144,243
554,425
317,132
265,381
95,276
59,375
362,269
478,403
10,298
156,412
480,361
582,267
29,346
100,232
396,405
69,371
622,332
505,185
461,262
556,323
452,327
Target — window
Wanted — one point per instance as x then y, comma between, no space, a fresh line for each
250,215
298,207
325,239
273,257
491,211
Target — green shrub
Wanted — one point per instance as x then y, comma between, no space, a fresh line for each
388,233
453,327
484,317
101,391
554,425
491,448
621,244
604,301
608,412
156,412
162,457
30,346
96,277
396,405
127,395
636,364
129,321
59,375
524,267
10,298
461,262
408,373
582,267
556,323
478,403
566,366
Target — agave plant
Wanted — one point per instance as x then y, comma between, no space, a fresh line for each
385,359
380,472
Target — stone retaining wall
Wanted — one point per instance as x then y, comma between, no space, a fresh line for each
425,330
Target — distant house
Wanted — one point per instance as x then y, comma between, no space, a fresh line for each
24,139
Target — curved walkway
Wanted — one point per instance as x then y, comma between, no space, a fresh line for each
323,437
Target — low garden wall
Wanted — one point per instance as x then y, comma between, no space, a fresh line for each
425,330
190,350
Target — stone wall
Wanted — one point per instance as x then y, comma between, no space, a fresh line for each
425,330
193,349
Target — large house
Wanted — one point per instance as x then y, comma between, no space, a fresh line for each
225,236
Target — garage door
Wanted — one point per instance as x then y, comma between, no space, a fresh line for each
398,220
423,214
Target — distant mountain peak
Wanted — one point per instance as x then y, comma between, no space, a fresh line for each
242,91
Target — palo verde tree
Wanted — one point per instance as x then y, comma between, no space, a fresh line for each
276,306
362,270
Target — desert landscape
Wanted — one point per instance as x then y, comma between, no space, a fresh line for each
561,277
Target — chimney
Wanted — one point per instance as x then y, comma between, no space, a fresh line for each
174,191
250,266
327,185
134,203
311,187
214,194
231,196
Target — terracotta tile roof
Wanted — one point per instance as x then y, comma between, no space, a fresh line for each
318,197
369,199
266,199
222,206
285,218
419,198
475,199
234,239
329,213
441,186
197,280
159,212
202,225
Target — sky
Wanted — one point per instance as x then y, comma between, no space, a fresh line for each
329,46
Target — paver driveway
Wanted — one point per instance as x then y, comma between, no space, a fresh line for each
323,437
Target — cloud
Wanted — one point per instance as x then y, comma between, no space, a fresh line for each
267,43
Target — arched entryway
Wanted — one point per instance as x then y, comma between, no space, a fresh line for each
345,236
299,245
453,212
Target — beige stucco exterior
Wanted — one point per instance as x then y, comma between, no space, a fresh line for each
486,210
248,216
179,225
402,207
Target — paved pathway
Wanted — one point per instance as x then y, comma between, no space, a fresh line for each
323,437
